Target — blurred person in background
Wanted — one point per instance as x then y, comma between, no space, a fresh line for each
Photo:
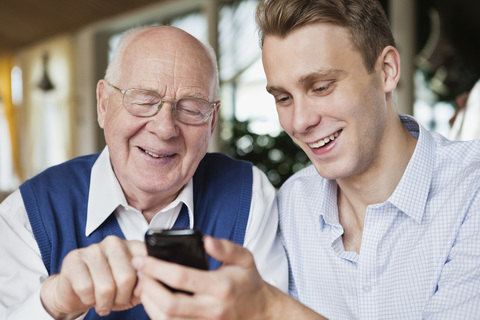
466,120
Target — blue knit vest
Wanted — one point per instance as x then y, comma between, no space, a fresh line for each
56,203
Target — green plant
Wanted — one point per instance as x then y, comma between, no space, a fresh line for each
279,157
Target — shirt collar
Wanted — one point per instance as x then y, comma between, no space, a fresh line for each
328,202
106,194
411,193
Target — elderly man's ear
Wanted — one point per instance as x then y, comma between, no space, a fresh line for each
102,100
215,116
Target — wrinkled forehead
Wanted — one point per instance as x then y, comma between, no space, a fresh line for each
179,61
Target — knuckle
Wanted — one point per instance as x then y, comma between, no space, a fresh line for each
73,257
93,251
126,281
105,290
111,240
84,291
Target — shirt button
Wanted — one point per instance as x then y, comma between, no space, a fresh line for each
367,288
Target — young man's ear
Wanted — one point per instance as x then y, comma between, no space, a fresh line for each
102,101
391,68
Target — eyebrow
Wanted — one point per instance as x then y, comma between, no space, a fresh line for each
310,77
320,74
272,89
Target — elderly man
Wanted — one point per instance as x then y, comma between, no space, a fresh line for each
62,233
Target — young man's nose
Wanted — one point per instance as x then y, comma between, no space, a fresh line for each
306,114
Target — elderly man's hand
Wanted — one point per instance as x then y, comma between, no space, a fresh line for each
100,276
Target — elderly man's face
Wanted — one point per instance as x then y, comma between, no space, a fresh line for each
154,157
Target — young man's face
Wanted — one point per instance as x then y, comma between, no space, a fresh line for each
326,100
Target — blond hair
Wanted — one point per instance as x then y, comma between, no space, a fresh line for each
364,20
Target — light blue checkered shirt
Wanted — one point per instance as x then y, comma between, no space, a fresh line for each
420,251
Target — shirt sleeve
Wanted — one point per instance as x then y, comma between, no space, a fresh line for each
458,288
21,267
261,234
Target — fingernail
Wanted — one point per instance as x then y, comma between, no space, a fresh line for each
103,313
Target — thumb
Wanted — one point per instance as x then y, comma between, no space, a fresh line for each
227,252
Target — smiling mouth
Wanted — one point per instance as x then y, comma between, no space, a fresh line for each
324,141
154,155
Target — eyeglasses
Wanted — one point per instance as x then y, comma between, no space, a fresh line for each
146,103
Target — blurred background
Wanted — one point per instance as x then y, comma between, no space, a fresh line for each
53,52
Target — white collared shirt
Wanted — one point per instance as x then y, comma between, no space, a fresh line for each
22,270
106,196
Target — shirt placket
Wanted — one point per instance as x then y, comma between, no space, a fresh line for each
367,290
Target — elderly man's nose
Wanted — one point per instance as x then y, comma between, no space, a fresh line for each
164,121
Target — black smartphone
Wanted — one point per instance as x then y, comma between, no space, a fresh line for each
182,246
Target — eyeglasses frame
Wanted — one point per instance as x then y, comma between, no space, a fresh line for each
213,105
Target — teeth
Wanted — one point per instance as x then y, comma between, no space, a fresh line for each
153,154
324,141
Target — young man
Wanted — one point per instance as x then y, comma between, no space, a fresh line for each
388,211
62,247
384,224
